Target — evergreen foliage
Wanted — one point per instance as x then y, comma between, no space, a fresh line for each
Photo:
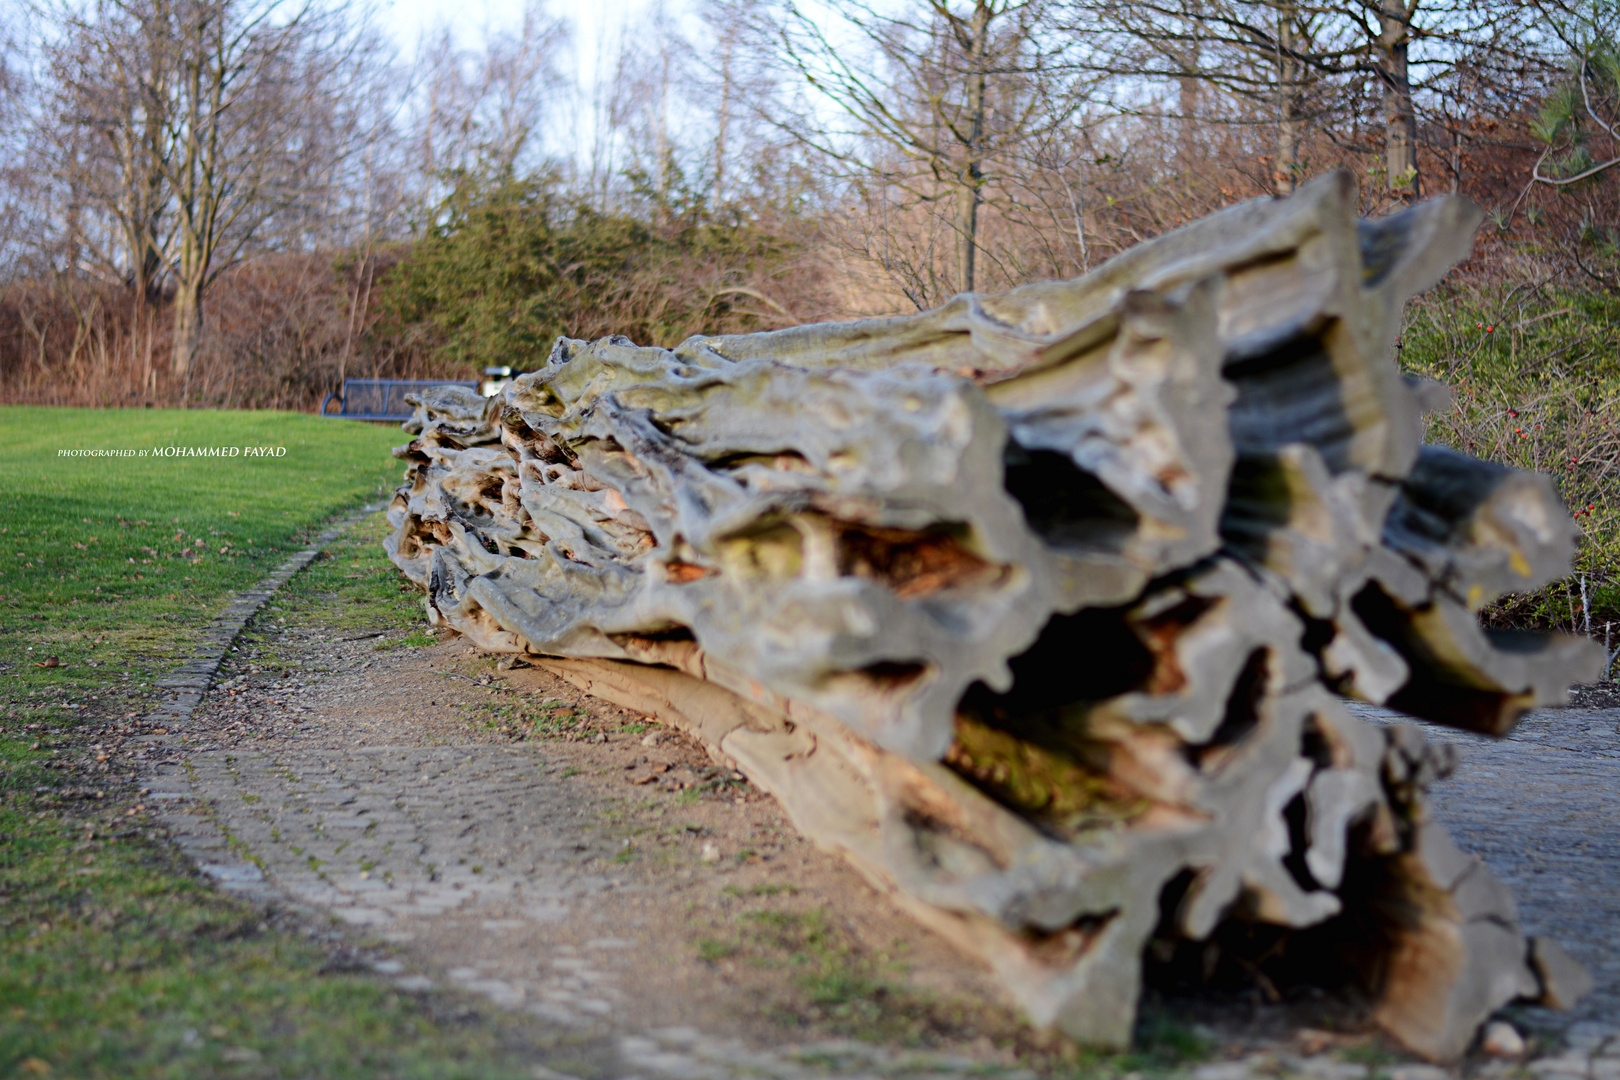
508,266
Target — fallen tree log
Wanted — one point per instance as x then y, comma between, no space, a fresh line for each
1035,606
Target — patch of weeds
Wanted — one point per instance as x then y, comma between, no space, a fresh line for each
832,982
1535,390
765,889
1164,1042
712,950
418,639
1371,1053
519,718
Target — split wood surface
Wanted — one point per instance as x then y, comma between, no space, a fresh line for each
1039,606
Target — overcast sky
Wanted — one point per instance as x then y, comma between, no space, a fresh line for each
406,20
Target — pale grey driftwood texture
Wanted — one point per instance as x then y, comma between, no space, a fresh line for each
1034,606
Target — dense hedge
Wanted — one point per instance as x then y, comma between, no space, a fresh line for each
506,268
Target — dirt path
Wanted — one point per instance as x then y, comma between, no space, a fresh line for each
495,833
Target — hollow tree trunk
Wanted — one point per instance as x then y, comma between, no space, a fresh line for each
1038,606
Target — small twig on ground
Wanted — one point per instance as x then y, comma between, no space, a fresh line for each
475,682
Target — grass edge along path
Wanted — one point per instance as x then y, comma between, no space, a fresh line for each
191,679
116,958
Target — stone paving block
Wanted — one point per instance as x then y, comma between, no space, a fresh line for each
1320,1068
362,916
1222,1070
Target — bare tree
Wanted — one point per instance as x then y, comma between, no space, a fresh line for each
14,178
602,103
249,78
933,100
479,108
197,128
748,157
112,83
1306,66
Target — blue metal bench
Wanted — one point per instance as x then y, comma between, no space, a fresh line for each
382,399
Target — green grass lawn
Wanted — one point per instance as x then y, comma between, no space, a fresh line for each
121,560
115,961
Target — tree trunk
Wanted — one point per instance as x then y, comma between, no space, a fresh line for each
146,261
967,230
723,118
1287,172
187,326
1456,156
1290,124
666,147
1400,120
1188,90
972,193
1187,125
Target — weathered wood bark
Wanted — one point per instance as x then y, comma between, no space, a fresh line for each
1034,606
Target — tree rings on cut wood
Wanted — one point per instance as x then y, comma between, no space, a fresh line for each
1039,606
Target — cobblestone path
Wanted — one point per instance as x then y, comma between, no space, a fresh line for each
529,874
605,883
